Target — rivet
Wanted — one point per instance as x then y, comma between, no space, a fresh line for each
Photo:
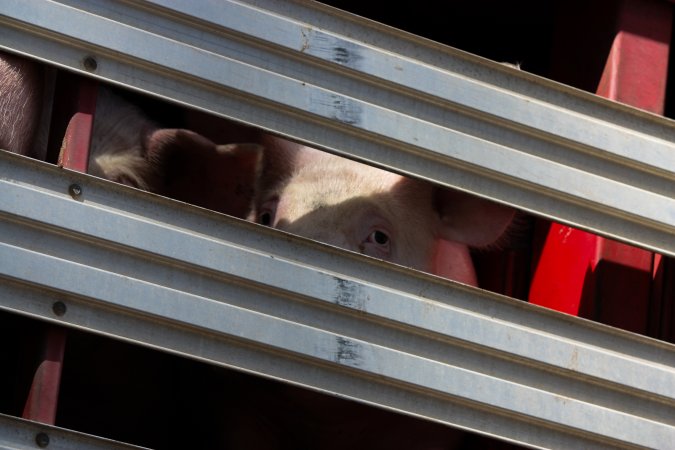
59,308
75,190
42,440
90,63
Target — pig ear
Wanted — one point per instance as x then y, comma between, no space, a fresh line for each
471,220
195,170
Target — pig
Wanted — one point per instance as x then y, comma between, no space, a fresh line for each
21,87
129,148
381,214
293,188
374,212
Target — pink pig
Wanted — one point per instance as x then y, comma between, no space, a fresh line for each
21,86
298,189
371,211
129,148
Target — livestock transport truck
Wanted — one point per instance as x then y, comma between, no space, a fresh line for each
129,319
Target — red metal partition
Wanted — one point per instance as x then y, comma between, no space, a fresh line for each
583,274
42,401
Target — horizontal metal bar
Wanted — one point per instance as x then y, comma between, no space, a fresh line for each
354,87
147,269
17,434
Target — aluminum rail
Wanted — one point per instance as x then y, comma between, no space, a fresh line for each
135,266
18,434
355,87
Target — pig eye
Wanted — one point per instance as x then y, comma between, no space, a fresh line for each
379,237
377,244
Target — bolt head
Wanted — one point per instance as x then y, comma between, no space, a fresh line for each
42,440
90,63
59,308
75,190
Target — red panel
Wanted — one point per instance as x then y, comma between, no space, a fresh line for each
583,274
42,401
637,67
75,149
44,392
566,261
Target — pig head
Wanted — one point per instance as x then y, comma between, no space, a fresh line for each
374,212
129,148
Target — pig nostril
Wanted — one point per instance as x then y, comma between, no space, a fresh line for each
266,219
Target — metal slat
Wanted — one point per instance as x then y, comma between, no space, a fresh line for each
19,434
143,268
351,86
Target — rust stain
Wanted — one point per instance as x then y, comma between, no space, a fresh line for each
349,294
305,39
348,352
